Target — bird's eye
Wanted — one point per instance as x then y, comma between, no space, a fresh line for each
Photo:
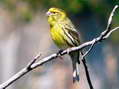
54,12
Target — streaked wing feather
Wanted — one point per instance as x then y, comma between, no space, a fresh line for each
71,34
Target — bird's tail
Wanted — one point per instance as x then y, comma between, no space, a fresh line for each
75,63
75,72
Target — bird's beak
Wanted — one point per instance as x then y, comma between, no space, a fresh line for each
48,13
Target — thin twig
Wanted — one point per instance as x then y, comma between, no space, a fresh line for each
20,73
85,66
86,53
107,30
87,74
104,35
33,61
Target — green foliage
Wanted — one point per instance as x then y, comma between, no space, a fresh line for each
24,10
74,6
9,4
115,37
25,16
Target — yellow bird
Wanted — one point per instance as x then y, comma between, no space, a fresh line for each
64,35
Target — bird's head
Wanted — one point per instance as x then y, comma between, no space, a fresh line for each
55,15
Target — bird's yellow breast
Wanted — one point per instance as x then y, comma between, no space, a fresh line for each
58,36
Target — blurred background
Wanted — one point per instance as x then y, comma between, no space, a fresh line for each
24,32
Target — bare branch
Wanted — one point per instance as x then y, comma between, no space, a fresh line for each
108,34
33,61
19,74
87,74
109,22
82,57
110,18
104,35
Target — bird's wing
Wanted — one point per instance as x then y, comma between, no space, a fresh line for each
71,34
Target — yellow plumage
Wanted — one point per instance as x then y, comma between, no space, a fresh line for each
64,35
58,37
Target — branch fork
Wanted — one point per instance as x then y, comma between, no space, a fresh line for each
33,64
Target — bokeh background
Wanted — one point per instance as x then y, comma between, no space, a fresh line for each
24,32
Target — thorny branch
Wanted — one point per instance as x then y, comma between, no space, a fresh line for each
32,65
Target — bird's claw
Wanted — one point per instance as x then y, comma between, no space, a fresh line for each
59,52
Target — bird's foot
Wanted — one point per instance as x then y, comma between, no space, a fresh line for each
59,53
